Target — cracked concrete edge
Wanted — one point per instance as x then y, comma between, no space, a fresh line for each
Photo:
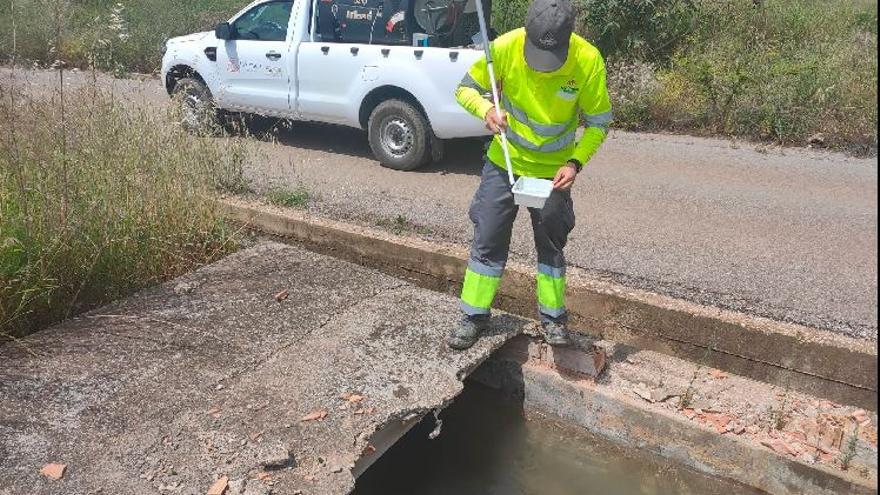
631,423
802,358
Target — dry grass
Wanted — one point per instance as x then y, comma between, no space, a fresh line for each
98,199
112,35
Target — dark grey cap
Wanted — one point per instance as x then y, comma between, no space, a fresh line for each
548,31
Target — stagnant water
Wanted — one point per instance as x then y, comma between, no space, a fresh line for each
488,447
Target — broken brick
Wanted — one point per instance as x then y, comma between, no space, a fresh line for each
861,417
777,445
315,415
798,436
53,470
219,486
717,374
589,364
719,421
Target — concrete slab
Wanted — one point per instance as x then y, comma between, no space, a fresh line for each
211,375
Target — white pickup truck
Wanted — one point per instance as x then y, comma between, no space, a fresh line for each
388,66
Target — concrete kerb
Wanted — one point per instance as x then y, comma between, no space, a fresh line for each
801,358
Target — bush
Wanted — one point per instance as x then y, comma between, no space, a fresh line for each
97,200
632,30
776,70
637,30
786,71
111,35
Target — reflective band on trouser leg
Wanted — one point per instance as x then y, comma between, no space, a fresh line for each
551,294
478,292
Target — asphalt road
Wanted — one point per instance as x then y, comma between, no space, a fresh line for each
789,234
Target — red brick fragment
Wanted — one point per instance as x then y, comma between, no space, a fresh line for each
777,445
861,417
54,470
717,374
219,486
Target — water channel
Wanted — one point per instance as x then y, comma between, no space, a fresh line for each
489,446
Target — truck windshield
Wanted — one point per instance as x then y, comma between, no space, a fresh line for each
265,22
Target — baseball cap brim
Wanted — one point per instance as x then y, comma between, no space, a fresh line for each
545,60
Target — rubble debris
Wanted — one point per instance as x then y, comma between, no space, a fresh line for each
54,470
315,415
219,486
275,455
644,392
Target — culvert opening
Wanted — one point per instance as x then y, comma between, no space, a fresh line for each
490,446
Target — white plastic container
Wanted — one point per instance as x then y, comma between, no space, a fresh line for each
532,193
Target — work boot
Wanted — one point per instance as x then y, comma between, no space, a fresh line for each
556,334
467,332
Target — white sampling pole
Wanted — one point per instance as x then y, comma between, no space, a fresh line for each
485,33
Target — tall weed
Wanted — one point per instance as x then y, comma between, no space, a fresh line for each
112,35
98,199
785,71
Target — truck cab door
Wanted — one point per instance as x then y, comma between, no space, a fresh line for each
254,64
330,69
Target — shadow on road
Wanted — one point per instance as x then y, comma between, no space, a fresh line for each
462,156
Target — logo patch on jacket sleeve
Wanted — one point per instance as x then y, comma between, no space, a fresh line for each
569,90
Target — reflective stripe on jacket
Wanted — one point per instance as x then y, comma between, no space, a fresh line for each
543,108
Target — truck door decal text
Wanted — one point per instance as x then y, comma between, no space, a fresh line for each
253,68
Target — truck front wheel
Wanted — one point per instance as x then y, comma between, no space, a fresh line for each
196,108
400,136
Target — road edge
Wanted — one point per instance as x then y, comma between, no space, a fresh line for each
814,361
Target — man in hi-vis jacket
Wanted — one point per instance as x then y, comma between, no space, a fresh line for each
549,78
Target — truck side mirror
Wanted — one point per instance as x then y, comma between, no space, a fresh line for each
223,31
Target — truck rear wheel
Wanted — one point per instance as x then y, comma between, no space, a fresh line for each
400,136
196,108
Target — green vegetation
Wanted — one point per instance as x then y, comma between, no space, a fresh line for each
98,199
113,35
783,71
401,224
298,198
850,449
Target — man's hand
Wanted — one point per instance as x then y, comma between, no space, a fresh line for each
565,177
494,123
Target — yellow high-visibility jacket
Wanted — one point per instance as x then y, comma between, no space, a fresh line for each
542,107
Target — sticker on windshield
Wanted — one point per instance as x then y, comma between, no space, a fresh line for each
394,20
